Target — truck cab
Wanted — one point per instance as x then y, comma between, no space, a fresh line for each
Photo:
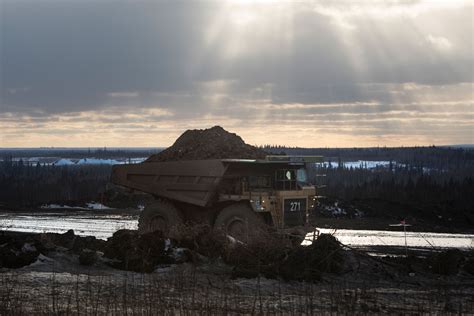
277,188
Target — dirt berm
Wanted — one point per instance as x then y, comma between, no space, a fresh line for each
211,143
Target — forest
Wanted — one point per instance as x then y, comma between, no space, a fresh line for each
432,183
421,184
23,185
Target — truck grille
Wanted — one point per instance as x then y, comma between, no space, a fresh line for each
294,211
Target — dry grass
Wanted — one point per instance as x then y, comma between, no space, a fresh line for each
187,291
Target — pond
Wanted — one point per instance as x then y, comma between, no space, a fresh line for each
103,225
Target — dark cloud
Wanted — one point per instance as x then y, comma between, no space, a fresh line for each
69,54
63,56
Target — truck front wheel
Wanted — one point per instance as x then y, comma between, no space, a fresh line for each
160,215
239,221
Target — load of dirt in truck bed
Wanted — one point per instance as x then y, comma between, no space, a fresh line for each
212,143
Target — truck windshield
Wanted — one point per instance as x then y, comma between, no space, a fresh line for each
301,176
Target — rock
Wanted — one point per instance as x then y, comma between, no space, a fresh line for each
181,255
118,245
278,258
18,250
201,239
87,242
261,256
137,252
212,143
70,241
307,263
88,257
52,240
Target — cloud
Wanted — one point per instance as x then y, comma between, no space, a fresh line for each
166,66
439,42
123,94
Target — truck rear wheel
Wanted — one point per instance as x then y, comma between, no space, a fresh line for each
160,215
239,221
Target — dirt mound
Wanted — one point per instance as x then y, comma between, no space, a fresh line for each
20,249
71,242
202,240
212,143
325,254
274,260
140,253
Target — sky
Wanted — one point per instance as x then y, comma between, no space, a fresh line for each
337,73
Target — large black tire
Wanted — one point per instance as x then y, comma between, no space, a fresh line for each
160,215
239,221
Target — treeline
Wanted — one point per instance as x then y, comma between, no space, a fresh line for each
432,178
402,190
24,185
439,180
77,153
429,157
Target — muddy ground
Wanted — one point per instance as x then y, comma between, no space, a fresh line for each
54,287
68,274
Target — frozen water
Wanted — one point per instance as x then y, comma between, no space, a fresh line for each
352,237
104,225
100,226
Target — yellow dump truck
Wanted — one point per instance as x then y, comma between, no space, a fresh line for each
238,196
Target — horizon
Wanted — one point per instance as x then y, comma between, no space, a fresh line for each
464,146
311,73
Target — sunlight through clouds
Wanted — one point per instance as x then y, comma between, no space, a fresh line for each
335,73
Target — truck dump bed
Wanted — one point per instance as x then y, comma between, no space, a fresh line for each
193,182
196,182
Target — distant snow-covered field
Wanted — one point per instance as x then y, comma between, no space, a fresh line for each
62,161
360,164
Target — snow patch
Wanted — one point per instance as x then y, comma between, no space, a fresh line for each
58,206
94,161
167,244
89,206
97,206
335,210
63,162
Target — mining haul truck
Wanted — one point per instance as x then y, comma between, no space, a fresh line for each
238,196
